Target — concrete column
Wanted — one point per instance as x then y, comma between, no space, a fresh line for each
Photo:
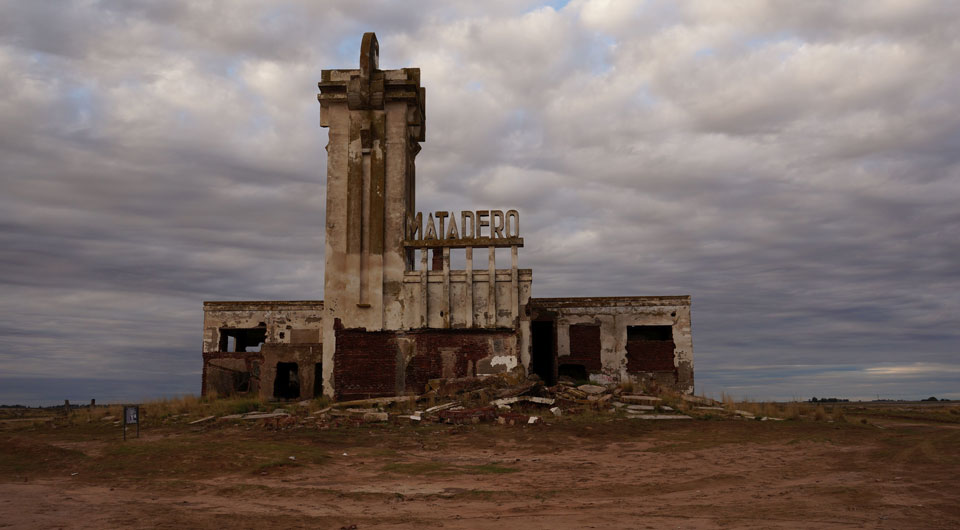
424,298
469,302
445,303
492,286
514,287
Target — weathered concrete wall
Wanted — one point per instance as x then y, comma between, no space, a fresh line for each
580,321
387,363
293,332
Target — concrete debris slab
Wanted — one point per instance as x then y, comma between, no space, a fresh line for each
201,420
256,416
444,406
699,400
666,408
375,401
710,408
518,399
638,398
768,418
533,419
556,411
540,400
640,407
592,389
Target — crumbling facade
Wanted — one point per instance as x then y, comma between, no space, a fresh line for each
395,314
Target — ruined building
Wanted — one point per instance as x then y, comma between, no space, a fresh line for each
396,315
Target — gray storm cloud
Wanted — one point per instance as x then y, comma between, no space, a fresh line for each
793,167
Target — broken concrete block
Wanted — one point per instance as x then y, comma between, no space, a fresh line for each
201,420
709,408
556,411
640,407
533,419
375,416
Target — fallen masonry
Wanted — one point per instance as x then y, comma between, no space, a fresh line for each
506,399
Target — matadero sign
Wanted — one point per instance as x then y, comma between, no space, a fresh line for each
480,228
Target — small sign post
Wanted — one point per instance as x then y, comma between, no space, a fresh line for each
131,415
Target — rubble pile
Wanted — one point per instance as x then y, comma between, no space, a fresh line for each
507,399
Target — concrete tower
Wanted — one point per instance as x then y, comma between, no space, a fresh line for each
376,121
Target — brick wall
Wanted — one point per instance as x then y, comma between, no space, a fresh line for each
468,348
584,347
365,363
650,356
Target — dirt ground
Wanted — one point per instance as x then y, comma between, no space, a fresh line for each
577,472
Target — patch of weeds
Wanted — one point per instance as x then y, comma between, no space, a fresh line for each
276,465
16,457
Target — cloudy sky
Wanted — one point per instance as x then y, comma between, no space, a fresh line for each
793,166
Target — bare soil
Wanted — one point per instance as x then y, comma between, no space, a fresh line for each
591,471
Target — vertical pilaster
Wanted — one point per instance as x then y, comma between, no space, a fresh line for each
424,289
469,272
514,287
492,286
445,303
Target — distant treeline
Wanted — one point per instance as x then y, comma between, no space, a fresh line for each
828,400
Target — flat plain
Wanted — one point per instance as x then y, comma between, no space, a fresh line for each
875,466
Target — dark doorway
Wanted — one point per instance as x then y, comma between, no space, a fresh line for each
543,358
577,372
287,383
318,380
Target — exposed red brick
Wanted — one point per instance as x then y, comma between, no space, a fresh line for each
584,347
650,356
366,363
470,346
